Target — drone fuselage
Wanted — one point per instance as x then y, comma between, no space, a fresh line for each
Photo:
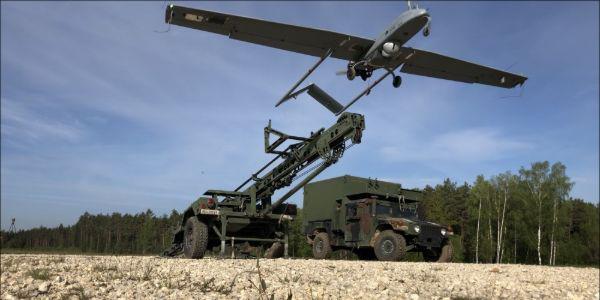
387,46
364,56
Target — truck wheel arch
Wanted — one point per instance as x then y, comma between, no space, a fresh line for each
380,228
311,237
190,213
178,238
319,230
186,215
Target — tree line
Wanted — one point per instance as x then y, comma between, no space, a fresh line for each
525,218
142,233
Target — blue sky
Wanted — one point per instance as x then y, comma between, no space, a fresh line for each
101,113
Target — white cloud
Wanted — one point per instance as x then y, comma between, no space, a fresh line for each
133,119
22,123
468,145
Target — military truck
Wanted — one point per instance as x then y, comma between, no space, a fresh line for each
372,218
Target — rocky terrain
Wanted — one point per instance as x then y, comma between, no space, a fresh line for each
135,277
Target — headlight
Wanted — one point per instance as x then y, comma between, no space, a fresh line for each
416,228
443,231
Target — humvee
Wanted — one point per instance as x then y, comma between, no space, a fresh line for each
372,218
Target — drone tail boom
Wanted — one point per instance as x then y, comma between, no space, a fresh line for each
325,99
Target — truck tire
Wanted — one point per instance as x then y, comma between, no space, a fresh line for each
390,246
275,251
195,238
321,246
443,254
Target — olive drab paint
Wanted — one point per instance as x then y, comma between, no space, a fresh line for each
355,213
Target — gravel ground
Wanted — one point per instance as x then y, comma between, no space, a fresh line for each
135,277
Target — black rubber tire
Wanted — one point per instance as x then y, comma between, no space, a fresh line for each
390,246
195,238
275,251
442,255
366,254
351,74
321,246
397,81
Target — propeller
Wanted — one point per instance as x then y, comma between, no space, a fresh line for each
341,72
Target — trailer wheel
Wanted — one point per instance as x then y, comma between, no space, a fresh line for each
390,246
439,255
321,246
195,238
275,251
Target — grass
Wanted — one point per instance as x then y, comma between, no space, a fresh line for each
6,264
209,286
39,274
262,286
56,260
22,294
206,286
103,268
147,272
168,281
291,279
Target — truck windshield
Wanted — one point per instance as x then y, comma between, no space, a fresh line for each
404,210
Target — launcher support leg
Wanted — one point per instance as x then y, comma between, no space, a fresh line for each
232,245
223,235
286,245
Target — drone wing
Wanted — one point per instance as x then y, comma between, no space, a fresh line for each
298,39
431,64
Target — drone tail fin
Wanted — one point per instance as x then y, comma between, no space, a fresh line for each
318,94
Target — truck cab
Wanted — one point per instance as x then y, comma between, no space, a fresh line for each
372,218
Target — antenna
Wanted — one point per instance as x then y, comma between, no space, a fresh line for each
411,6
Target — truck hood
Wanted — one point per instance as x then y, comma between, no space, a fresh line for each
404,223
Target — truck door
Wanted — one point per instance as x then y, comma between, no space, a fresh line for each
358,218
352,224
